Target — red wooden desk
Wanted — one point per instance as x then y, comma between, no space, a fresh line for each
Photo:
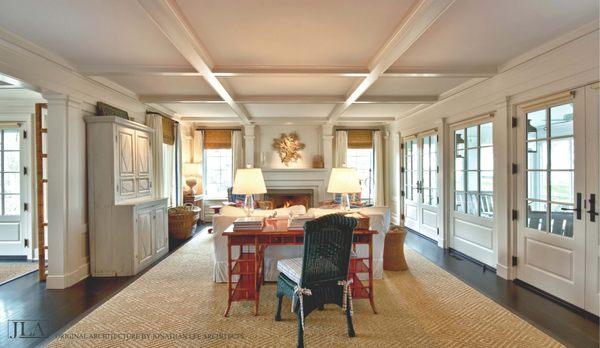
248,268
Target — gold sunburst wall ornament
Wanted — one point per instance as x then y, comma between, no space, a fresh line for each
288,146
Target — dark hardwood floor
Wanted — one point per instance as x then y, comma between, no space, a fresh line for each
565,325
27,299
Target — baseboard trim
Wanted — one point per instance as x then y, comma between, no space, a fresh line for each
502,271
422,236
469,258
13,257
66,280
569,306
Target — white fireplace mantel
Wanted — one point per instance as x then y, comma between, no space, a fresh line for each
315,179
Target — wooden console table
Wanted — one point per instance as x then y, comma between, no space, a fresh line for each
248,268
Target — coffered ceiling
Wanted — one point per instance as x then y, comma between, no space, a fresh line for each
269,61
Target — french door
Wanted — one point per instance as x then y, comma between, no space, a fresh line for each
557,191
14,232
420,187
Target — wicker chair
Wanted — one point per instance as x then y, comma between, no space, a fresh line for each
321,276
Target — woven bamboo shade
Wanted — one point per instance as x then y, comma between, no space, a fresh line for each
217,139
360,139
168,131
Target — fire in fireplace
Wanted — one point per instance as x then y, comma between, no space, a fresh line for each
286,198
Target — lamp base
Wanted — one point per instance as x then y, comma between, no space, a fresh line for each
249,205
345,202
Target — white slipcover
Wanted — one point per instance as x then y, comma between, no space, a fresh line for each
379,221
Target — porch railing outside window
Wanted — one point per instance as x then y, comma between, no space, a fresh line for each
474,170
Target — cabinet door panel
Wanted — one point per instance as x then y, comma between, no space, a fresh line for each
144,252
160,230
126,152
126,188
143,163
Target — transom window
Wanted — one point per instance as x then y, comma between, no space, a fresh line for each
474,170
10,174
218,172
550,169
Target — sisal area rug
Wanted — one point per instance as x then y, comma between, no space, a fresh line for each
177,304
10,270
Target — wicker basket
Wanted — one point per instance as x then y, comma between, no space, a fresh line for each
183,220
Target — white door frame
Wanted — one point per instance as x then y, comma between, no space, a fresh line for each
417,223
592,281
26,180
476,231
533,265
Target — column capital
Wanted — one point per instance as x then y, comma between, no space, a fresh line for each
327,129
249,129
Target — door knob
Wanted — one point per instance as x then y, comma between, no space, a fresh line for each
593,213
577,208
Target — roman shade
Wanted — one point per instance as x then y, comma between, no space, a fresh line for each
168,126
217,139
360,139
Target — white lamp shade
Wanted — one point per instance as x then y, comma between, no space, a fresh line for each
344,180
249,181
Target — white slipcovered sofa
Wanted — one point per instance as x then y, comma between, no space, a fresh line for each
379,219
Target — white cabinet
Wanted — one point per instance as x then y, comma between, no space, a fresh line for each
128,225
133,155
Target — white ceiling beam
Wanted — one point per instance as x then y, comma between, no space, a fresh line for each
171,21
183,99
416,99
468,72
134,70
288,99
284,71
420,18
278,70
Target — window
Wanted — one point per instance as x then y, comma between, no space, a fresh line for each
429,180
550,169
474,170
10,174
362,161
411,170
218,169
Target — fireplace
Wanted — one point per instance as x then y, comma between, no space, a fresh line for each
282,198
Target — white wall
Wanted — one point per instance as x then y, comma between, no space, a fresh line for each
571,61
70,97
267,157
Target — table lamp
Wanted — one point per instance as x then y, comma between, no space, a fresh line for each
191,172
344,181
247,182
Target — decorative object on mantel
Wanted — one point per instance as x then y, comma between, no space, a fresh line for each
318,161
288,146
103,109
393,249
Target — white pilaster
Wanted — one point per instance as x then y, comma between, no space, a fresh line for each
67,229
444,184
327,136
503,192
249,144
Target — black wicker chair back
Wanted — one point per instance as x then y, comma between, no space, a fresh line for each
327,244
